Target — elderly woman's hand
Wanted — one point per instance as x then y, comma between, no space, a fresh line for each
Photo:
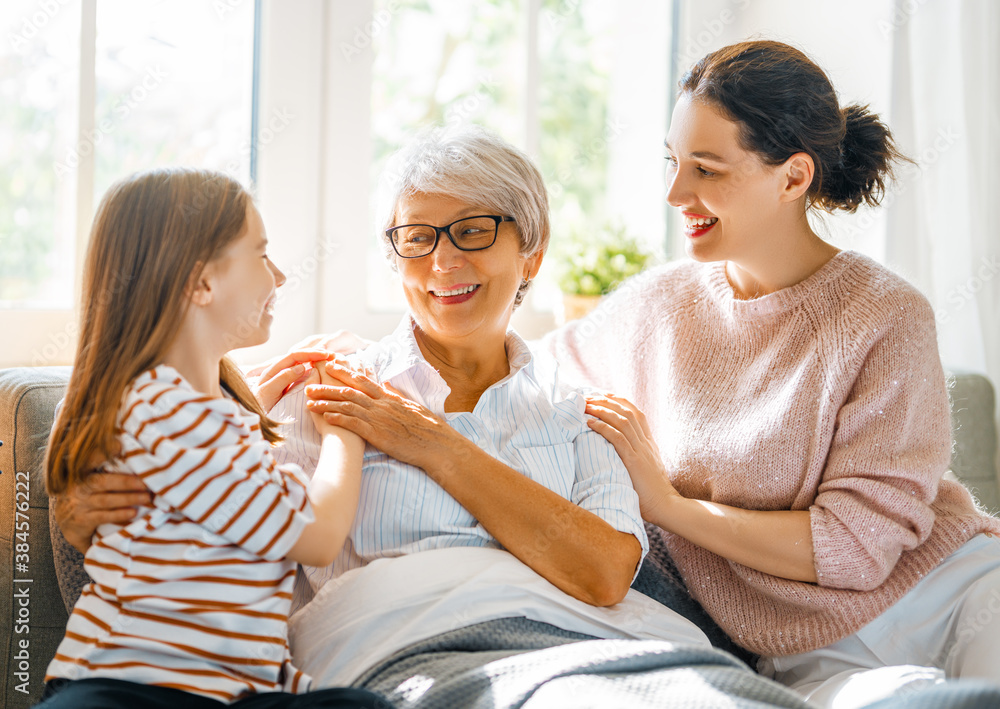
397,426
625,427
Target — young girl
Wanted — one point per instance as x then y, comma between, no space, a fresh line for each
189,601
796,425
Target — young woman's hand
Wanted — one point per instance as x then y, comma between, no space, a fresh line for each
282,373
625,427
397,426
102,498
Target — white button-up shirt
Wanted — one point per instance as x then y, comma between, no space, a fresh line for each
529,421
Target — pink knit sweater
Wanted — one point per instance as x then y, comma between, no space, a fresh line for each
827,396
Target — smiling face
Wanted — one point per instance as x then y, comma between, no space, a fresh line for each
456,294
729,198
243,281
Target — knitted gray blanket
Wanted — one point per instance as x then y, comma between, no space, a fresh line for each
516,662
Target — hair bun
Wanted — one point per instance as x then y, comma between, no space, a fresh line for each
784,103
867,154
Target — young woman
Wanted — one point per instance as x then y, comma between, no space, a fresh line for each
796,425
189,601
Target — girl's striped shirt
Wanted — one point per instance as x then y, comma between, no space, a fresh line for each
194,593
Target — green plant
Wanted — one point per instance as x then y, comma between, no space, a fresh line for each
594,262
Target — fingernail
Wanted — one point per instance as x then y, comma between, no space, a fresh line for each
299,369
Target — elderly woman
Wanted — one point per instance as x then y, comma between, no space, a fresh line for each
474,445
478,428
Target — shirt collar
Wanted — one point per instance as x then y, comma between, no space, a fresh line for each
399,353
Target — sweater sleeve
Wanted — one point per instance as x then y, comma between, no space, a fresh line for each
891,446
199,458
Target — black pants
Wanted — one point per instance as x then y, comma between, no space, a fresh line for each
100,693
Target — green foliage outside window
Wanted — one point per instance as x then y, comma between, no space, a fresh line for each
594,262
441,62
27,217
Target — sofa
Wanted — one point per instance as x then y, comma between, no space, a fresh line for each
33,611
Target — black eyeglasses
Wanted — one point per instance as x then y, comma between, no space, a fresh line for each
468,234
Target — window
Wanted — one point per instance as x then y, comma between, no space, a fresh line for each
90,92
39,71
174,87
560,78
121,85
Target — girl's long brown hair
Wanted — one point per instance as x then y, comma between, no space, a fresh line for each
153,232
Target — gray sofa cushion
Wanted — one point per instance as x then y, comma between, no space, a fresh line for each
974,459
28,398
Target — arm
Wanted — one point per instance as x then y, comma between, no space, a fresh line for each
571,547
889,449
333,492
113,498
776,542
198,457
103,498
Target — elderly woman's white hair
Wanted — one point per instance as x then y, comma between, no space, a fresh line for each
473,165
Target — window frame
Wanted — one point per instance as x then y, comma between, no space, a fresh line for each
47,336
318,234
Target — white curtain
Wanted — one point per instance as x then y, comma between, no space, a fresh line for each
943,230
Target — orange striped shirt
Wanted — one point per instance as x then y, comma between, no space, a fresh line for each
194,593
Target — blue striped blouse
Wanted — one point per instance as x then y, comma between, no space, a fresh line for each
529,420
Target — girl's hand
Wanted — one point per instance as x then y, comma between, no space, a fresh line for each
337,342
342,342
397,426
282,373
625,427
318,375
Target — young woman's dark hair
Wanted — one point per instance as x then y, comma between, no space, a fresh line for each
785,104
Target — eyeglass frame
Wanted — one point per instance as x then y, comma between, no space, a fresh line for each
446,230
